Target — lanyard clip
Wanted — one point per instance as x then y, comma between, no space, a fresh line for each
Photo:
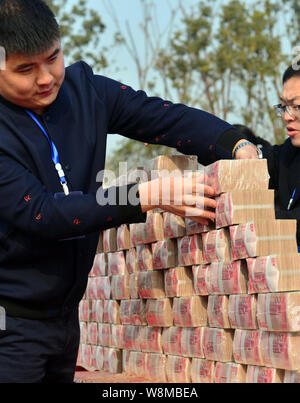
65,188
63,181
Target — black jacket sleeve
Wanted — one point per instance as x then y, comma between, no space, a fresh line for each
272,156
27,206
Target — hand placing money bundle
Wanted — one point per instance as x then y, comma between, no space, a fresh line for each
187,196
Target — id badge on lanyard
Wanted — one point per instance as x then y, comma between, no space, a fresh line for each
58,167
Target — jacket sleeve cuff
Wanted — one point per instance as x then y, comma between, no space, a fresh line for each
227,141
129,207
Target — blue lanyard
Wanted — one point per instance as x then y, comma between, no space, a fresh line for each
54,152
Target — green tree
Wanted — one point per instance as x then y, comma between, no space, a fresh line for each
81,30
254,62
226,57
291,10
226,60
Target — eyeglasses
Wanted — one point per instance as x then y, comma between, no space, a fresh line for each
292,110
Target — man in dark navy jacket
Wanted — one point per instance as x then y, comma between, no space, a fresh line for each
53,127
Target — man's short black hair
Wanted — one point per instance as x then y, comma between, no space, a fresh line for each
27,27
291,71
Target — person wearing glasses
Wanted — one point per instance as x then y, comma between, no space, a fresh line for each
284,160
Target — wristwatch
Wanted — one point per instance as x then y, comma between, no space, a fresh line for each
247,143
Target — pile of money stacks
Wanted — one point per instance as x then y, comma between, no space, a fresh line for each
172,300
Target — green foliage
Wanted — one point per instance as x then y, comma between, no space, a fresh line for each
291,8
189,55
254,60
81,29
227,60
227,57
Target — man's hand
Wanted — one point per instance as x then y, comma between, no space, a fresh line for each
181,195
248,151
